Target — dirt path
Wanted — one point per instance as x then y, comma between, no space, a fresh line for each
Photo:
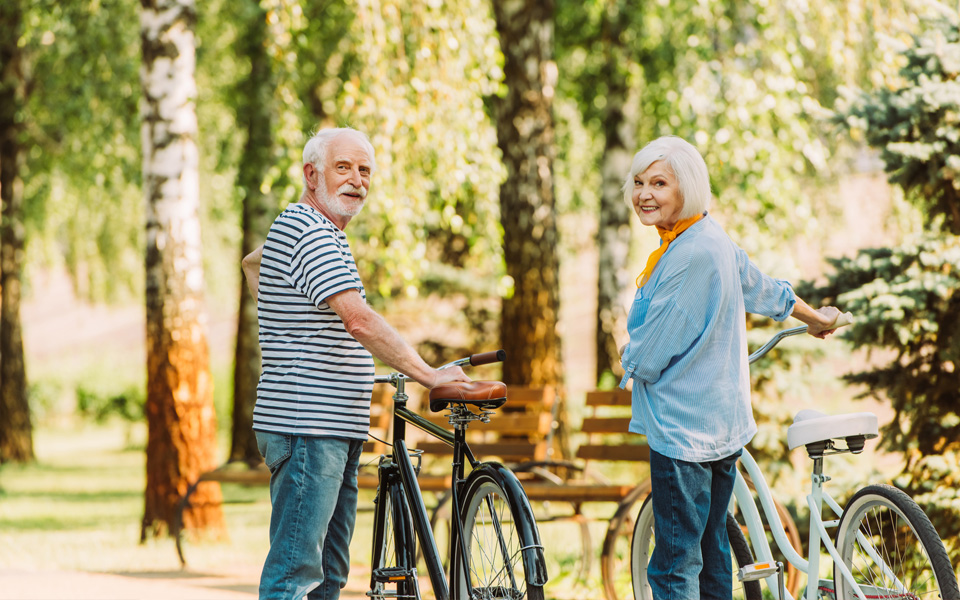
171,585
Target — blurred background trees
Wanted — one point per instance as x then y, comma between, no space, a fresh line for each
503,132
16,436
525,134
907,297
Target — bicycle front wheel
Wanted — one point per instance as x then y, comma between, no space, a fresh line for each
494,559
641,549
394,544
891,548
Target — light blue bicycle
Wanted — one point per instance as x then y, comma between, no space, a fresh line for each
885,545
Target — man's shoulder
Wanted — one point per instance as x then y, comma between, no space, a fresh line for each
299,223
304,217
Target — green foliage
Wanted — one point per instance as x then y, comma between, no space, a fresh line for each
747,82
917,124
908,297
418,90
907,301
83,168
82,174
127,405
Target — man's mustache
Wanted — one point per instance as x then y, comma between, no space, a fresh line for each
350,189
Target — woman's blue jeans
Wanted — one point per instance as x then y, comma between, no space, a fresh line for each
691,557
313,492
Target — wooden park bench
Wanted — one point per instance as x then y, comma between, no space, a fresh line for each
521,435
606,444
520,432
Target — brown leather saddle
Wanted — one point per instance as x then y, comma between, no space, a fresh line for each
484,395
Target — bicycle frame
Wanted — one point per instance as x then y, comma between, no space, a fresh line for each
818,536
414,496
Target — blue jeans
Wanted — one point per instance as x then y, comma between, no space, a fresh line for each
691,557
313,493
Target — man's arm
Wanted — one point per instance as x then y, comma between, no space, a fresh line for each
820,322
251,269
383,341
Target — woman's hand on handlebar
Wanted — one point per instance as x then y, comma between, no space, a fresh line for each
820,322
825,324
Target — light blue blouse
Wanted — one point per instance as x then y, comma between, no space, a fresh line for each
687,353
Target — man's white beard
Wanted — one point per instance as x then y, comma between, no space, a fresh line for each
336,205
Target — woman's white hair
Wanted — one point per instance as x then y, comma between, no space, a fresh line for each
315,150
687,165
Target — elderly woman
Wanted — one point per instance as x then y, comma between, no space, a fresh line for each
687,356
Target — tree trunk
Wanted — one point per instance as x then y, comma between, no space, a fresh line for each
613,234
16,431
256,111
525,134
181,420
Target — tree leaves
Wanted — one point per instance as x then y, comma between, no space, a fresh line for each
917,123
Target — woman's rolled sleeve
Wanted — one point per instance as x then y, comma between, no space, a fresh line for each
762,294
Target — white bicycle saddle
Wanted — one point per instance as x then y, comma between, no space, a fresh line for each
811,426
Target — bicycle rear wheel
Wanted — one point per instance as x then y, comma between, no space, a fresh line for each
493,545
891,548
642,548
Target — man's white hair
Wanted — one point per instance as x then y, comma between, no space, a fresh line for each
687,164
315,150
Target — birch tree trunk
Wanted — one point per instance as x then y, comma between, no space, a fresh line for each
525,134
181,421
16,430
613,234
255,113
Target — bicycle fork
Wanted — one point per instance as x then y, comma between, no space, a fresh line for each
391,519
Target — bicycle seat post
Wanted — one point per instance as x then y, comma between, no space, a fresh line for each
815,501
457,414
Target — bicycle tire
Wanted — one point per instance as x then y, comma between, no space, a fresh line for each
496,563
897,528
393,546
615,554
641,547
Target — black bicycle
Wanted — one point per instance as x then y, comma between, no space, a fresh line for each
495,549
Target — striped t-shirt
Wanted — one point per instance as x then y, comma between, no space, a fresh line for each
317,379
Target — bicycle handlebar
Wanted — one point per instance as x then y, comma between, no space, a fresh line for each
486,358
842,320
475,360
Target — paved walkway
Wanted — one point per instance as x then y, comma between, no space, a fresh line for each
175,585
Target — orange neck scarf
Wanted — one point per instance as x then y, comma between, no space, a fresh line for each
666,236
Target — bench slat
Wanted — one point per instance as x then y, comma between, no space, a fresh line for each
632,452
576,493
606,425
524,396
609,398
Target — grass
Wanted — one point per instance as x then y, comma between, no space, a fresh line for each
78,508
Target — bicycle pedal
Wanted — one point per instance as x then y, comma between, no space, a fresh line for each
757,571
393,574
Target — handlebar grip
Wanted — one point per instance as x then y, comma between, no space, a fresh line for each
843,319
486,358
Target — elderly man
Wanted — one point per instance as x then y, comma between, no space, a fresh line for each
317,334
